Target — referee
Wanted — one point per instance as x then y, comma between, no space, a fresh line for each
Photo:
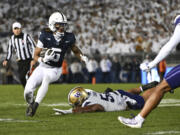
24,46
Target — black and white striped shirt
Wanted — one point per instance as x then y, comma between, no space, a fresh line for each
23,45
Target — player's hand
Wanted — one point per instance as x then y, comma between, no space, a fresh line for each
5,63
84,58
32,64
49,55
145,67
62,112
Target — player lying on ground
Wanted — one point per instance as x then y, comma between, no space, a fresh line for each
85,100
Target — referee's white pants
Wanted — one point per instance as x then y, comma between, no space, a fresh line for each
41,76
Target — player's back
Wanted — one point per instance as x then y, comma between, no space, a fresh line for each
112,101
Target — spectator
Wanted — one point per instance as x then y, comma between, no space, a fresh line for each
105,65
116,69
91,66
76,70
136,74
128,67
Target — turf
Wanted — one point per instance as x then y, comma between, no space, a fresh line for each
165,120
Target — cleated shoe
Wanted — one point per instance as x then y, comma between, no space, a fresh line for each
133,123
31,109
149,85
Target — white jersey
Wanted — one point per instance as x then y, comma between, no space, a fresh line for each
112,101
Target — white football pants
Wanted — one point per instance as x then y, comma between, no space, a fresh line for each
41,76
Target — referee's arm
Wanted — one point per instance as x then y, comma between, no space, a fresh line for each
9,54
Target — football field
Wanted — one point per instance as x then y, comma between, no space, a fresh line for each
164,120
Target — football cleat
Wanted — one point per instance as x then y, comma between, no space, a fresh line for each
149,85
31,109
133,123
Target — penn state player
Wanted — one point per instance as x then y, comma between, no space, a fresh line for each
57,41
170,82
85,100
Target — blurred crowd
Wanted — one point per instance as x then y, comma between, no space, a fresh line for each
105,69
100,26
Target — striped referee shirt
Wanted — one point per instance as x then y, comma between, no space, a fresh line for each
23,45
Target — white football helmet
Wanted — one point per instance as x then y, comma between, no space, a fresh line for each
77,96
56,18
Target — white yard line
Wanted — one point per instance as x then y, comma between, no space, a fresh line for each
163,133
15,120
164,103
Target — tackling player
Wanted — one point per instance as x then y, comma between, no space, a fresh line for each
57,41
85,100
170,82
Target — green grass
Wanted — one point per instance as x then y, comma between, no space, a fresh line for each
12,106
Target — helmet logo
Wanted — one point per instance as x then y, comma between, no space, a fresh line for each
78,94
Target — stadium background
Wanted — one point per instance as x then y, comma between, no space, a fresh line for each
124,29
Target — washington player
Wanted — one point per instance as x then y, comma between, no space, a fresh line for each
57,41
170,82
86,100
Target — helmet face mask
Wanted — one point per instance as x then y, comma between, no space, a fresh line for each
61,27
77,96
57,21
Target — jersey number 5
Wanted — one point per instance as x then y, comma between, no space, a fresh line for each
107,97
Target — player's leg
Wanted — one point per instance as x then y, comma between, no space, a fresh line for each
171,81
133,101
150,104
50,75
33,82
156,96
143,88
148,93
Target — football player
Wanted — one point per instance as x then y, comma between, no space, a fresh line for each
85,100
57,41
169,83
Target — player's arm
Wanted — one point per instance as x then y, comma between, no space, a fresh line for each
37,52
89,108
78,53
167,48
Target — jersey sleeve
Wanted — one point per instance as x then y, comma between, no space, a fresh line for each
40,44
72,39
168,47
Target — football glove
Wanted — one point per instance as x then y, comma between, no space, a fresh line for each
145,67
49,55
84,58
62,112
